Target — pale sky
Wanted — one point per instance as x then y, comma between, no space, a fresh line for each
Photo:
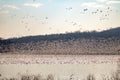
39,17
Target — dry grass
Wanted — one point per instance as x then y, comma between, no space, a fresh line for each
114,76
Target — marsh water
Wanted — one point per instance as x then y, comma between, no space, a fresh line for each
60,66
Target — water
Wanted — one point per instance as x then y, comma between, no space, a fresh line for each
61,66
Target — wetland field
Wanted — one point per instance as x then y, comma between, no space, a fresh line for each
58,67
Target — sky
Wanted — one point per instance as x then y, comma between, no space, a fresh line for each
40,17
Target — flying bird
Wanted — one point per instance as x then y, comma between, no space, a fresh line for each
28,29
74,24
85,9
70,8
97,9
46,17
94,12
101,11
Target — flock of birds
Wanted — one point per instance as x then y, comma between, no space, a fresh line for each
103,15
25,21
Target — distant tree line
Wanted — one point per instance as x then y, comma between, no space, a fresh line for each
112,33
47,41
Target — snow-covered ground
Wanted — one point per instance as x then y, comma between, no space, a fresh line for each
57,59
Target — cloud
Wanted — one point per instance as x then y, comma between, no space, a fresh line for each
12,7
92,4
102,0
113,2
36,5
99,3
109,1
4,12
